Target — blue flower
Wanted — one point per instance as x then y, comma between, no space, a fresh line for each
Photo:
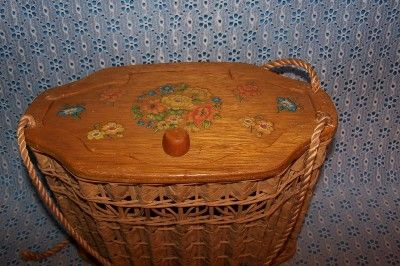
234,55
140,123
127,5
17,32
86,63
81,27
130,43
205,21
216,100
95,7
148,58
249,36
150,124
72,110
61,9
29,10
145,23
286,104
220,39
113,25
99,45
36,48
167,89
49,29
117,61
5,52
152,93
235,20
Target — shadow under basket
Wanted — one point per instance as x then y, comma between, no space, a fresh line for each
234,194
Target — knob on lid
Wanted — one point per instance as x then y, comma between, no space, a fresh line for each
176,142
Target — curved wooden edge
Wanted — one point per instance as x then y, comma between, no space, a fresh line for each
320,98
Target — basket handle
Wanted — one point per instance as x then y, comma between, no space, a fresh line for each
322,121
315,83
29,121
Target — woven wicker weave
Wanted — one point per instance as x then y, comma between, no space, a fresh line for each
218,224
251,222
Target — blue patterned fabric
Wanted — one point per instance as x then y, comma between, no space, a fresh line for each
353,44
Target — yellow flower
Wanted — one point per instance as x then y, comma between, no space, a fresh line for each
174,120
177,102
162,125
265,127
197,93
112,128
249,121
95,134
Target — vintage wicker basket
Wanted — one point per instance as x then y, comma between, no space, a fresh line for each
181,164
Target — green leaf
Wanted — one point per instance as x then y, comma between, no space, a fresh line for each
206,124
183,87
197,101
137,115
159,117
135,109
150,117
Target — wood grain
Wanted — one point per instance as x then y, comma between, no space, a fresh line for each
224,151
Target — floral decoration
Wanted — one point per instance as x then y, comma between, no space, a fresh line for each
72,110
111,95
258,125
108,130
286,104
246,91
170,106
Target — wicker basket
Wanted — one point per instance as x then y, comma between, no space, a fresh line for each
246,222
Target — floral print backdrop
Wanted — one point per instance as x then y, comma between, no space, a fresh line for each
354,45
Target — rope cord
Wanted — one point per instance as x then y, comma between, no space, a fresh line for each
25,121
304,186
315,83
322,121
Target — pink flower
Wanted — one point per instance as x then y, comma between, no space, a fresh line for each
202,113
245,91
152,107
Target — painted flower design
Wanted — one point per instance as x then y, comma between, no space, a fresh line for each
179,105
112,128
246,91
264,127
111,96
72,110
258,125
177,102
108,130
197,94
167,89
153,106
202,115
286,104
95,134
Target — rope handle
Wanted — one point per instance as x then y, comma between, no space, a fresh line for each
29,121
315,83
322,121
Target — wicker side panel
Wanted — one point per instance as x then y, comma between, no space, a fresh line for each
193,224
61,185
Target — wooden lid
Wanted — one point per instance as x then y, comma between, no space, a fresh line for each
244,122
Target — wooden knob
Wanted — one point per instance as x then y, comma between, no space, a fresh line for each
176,142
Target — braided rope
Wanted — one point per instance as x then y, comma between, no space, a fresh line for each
28,255
315,83
28,120
305,183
